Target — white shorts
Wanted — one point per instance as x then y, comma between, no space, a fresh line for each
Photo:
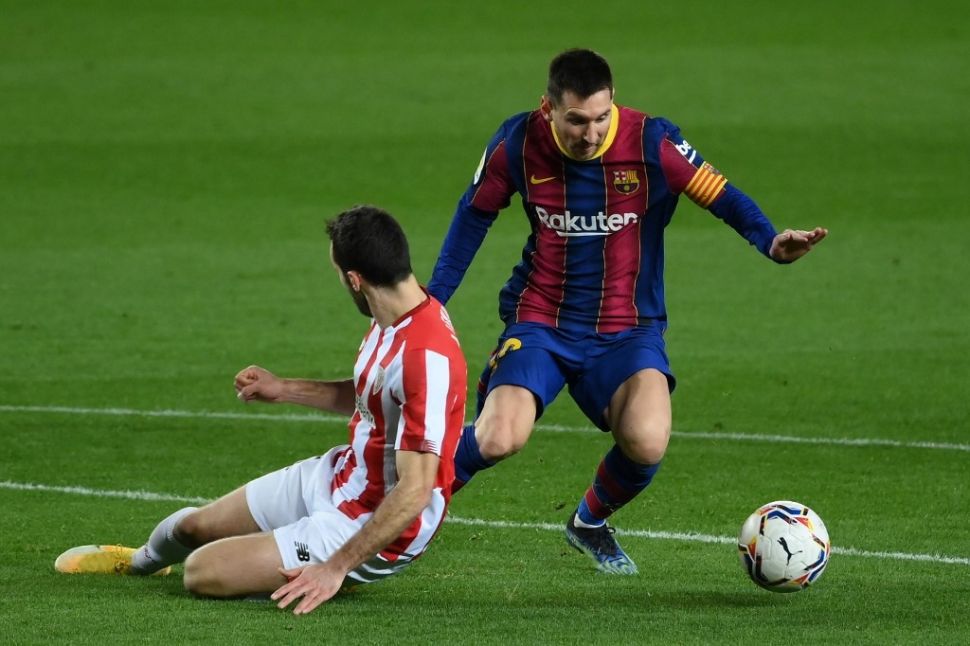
295,504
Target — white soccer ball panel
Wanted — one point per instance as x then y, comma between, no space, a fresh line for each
786,549
783,546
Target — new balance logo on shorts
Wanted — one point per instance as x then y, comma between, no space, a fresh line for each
302,551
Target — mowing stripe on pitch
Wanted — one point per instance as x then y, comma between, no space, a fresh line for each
556,428
692,537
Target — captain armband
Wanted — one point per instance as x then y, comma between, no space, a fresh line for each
706,185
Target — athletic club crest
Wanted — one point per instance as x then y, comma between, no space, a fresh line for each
378,381
626,181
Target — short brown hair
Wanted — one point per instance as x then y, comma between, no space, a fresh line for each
580,71
369,240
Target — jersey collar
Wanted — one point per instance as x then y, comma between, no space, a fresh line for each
414,310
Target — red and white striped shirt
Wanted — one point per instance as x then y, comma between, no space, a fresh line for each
410,381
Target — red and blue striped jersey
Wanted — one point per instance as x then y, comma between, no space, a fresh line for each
594,257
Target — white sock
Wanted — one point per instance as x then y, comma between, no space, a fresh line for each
161,549
578,522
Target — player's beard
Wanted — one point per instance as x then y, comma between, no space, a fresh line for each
584,150
361,302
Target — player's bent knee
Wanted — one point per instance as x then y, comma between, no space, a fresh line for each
501,440
648,447
495,450
647,454
192,531
505,423
202,578
196,579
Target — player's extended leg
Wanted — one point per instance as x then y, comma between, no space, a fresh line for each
235,567
172,540
187,529
501,430
640,417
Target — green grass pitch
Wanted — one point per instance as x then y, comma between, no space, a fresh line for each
165,171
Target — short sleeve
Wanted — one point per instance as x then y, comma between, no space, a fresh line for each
427,393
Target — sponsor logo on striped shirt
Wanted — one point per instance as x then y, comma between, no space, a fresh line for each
568,225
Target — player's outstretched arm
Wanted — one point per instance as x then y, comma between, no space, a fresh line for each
258,384
792,244
319,582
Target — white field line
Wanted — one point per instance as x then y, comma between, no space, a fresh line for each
692,537
187,414
555,428
127,494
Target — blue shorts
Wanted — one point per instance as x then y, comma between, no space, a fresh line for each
543,359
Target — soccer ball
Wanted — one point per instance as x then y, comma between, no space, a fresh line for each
784,546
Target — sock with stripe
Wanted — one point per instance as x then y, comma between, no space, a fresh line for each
618,481
468,459
162,549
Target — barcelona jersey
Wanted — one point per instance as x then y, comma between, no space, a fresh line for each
594,257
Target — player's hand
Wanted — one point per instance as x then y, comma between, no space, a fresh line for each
258,384
315,583
791,244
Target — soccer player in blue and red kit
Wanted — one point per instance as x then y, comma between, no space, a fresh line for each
585,306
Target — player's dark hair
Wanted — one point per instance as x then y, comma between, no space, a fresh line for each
368,240
580,71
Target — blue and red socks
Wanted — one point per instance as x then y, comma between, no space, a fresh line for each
468,459
618,481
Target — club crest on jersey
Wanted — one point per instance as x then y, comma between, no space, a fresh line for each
626,181
378,381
